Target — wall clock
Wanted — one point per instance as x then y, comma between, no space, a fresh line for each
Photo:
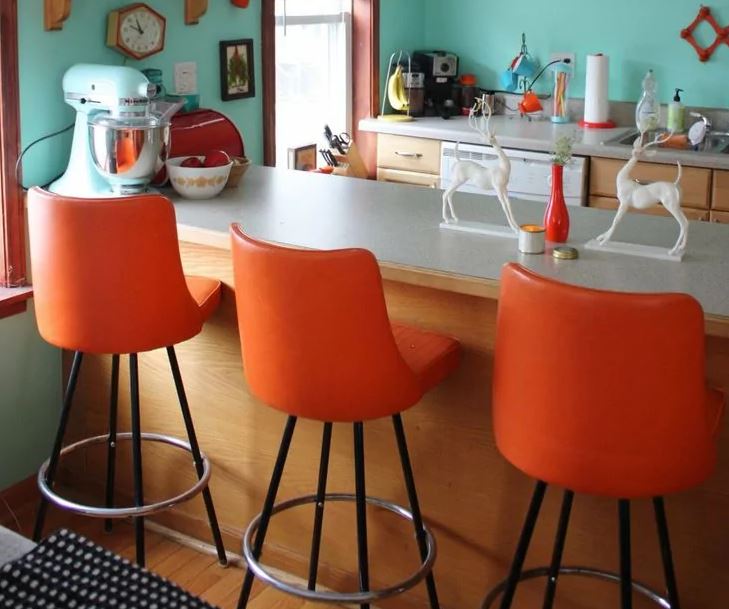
136,30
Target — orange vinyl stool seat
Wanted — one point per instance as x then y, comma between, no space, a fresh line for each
601,393
317,343
107,279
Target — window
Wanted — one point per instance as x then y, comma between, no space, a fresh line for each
313,69
12,231
363,87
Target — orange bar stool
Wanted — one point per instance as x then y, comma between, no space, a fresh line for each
317,343
107,279
601,393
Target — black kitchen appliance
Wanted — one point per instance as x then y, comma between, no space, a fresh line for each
441,73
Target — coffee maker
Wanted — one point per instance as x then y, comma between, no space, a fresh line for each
441,73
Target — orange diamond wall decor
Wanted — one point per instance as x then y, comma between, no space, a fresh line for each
722,34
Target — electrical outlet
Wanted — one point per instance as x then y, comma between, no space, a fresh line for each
560,56
186,77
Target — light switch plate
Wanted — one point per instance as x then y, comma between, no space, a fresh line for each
186,77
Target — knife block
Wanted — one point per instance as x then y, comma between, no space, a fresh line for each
350,164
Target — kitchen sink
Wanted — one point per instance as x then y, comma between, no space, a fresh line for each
716,142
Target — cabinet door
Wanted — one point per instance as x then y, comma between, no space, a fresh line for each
695,181
610,203
408,177
408,153
720,190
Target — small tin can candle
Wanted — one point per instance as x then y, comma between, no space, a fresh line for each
531,239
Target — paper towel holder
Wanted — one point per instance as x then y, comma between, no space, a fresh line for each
608,124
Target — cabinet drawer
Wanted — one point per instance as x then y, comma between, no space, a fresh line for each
720,190
610,203
408,153
720,216
695,183
399,176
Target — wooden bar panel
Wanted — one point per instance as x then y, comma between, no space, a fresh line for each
695,183
471,497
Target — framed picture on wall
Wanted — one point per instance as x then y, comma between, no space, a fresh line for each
302,158
236,69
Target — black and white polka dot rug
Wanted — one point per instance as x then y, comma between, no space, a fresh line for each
67,571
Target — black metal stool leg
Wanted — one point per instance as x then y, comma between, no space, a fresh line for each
564,518
111,442
626,578
407,471
523,545
197,457
58,443
662,526
137,456
361,502
321,490
268,504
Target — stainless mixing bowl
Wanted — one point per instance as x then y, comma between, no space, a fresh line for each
128,151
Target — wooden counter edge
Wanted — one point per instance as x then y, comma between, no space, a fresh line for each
715,325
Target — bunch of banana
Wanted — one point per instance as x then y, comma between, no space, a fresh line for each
396,94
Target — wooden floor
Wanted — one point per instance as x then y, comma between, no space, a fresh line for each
196,572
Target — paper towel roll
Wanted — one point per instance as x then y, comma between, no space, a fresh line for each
597,105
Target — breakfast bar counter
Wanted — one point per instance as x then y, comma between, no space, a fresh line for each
471,497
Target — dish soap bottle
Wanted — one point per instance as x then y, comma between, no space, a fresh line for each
646,112
676,114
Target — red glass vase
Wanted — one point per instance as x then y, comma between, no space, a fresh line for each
556,216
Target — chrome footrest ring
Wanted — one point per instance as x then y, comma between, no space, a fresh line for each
649,593
123,512
326,596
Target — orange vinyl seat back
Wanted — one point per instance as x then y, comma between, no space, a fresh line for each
601,392
315,335
107,276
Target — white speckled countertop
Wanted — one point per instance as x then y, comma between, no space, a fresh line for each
400,224
514,131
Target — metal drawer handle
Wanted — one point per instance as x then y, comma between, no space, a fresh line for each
409,155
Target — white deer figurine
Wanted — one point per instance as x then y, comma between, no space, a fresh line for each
642,196
494,176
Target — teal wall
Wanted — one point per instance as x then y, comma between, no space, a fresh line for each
44,56
30,398
635,34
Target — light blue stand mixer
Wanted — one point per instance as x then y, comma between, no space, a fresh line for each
118,144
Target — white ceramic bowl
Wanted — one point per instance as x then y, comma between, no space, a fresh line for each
197,182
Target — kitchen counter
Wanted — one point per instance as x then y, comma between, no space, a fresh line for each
514,131
400,224
473,500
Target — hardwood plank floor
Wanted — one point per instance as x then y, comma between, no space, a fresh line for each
194,571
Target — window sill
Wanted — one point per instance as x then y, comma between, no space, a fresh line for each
14,300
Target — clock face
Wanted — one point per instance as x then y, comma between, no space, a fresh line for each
140,31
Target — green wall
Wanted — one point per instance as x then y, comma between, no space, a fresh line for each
636,34
30,398
44,56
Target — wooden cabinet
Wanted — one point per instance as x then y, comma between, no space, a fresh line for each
610,203
408,160
720,216
695,182
720,190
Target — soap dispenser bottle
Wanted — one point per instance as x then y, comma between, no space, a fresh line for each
646,112
676,114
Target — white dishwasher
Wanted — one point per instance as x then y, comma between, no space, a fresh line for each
531,172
